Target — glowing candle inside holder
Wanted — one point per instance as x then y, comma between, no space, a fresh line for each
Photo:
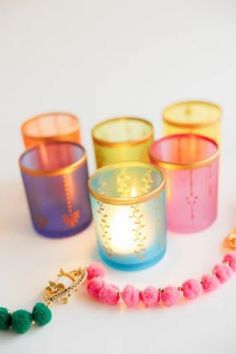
128,204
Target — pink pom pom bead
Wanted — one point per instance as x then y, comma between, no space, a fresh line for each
109,294
192,288
94,286
95,270
130,296
150,296
230,258
170,296
209,283
222,272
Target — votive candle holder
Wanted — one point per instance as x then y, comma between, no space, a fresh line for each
55,177
48,127
128,204
122,139
190,163
195,117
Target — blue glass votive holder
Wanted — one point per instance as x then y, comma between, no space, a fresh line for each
128,204
55,178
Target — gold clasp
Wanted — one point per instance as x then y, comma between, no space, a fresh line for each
61,290
230,241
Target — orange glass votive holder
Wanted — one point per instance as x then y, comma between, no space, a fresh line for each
122,139
196,117
50,127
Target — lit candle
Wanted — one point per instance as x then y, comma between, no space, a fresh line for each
128,203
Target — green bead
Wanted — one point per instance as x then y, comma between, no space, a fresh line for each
5,319
41,314
21,321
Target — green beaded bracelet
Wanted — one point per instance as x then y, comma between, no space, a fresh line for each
5,319
21,320
41,314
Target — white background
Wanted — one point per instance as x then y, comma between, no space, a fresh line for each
103,58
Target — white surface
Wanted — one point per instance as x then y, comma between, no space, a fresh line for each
99,59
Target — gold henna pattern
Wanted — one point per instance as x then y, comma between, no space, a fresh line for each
72,218
138,236
147,181
122,181
104,227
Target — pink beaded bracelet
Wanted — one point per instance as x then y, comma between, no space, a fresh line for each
169,296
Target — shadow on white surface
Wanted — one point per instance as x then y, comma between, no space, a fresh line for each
15,216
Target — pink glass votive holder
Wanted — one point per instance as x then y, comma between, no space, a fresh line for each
191,166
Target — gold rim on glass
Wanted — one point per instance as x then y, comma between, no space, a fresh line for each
106,143
168,120
230,241
57,172
53,136
126,200
185,166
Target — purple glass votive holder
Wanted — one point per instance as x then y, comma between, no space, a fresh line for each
55,177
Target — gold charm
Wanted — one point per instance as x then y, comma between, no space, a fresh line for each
230,241
61,290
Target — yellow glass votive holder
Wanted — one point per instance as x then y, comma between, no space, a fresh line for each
128,205
51,127
196,117
122,139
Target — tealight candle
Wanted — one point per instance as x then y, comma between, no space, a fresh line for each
128,204
122,139
196,117
55,126
55,177
190,163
